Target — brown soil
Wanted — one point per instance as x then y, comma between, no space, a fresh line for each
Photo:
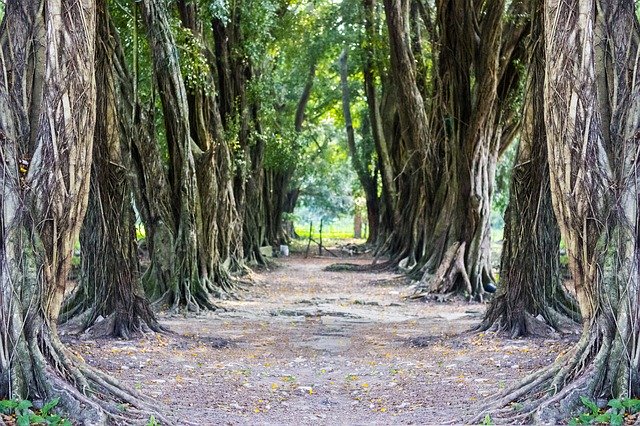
308,346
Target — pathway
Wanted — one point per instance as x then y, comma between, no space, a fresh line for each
307,346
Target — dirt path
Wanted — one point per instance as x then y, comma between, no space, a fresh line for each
307,346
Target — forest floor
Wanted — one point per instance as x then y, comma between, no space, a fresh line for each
309,346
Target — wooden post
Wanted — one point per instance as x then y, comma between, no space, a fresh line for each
306,254
320,244
357,224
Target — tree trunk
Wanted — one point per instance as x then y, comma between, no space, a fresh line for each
390,215
411,148
190,288
240,118
530,280
360,157
109,285
591,112
47,118
217,216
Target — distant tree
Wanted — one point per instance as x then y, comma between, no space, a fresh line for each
389,208
360,161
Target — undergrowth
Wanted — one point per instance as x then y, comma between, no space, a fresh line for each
616,413
23,413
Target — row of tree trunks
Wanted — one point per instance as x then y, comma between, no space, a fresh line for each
218,221
445,149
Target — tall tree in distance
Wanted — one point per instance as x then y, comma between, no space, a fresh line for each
390,209
591,111
360,158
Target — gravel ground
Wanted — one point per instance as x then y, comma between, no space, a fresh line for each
307,346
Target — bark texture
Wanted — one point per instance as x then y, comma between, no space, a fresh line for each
591,110
110,287
530,280
47,118
190,287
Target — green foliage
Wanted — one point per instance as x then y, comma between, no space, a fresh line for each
152,422
504,170
487,420
325,176
219,9
193,63
25,414
614,415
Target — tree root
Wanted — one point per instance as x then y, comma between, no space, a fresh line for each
353,267
87,395
82,315
552,395
524,324
445,279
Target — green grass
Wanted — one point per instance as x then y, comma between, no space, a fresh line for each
330,235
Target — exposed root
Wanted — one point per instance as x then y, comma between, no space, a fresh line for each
83,315
87,395
530,308
552,395
352,267
524,324
446,277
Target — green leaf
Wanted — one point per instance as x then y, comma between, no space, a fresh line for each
589,404
66,422
54,419
585,418
632,404
49,405
37,419
8,405
616,419
602,418
23,405
487,420
23,420
574,422
616,403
